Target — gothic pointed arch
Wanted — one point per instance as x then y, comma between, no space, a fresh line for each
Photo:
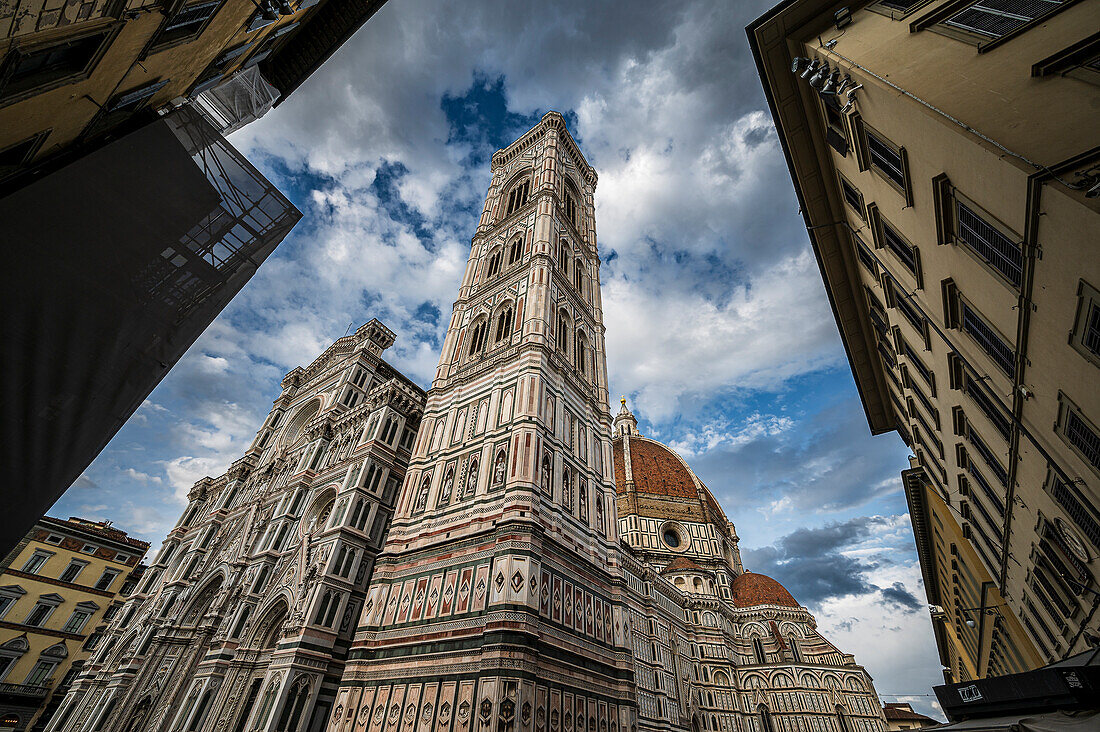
504,321
517,191
515,249
266,632
564,329
297,423
494,262
479,329
202,601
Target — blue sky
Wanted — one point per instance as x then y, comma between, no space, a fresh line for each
718,329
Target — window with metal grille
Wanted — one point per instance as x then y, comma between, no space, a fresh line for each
1077,509
909,312
976,327
988,408
1083,437
995,18
989,243
987,489
886,158
987,455
901,248
918,366
993,525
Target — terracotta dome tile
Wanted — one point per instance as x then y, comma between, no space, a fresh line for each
750,589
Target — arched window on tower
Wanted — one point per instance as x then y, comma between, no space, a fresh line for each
504,324
517,196
477,337
565,253
578,276
570,196
758,650
581,354
494,264
563,332
515,251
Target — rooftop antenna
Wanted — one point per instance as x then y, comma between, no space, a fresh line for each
349,328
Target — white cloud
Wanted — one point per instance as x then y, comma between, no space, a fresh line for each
140,477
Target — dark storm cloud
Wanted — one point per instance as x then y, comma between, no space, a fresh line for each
896,594
809,562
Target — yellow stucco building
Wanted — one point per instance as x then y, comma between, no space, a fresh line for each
59,587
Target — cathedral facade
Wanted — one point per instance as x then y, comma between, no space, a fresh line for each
244,619
545,569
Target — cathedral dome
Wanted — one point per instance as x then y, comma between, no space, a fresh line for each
751,589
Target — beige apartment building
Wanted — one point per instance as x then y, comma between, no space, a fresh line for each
945,157
59,587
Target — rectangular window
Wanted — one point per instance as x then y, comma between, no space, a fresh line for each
978,479
886,158
106,579
866,259
34,564
984,335
39,614
76,621
89,549
72,571
36,69
987,455
40,673
918,366
903,250
1078,509
988,408
189,21
1082,436
1086,326
989,243
911,314
852,196
996,18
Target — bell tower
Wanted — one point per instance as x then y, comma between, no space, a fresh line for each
497,602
